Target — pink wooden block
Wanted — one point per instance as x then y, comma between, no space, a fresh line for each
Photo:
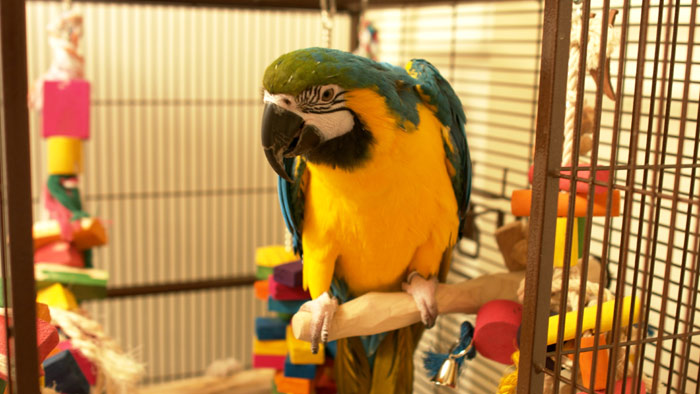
281,292
86,366
60,252
496,331
66,110
628,388
265,361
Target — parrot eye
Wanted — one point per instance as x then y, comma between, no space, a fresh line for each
327,95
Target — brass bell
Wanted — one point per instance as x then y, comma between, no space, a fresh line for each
449,371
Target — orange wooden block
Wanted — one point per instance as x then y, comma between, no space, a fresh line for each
522,199
262,289
293,385
87,233
585,360
42,312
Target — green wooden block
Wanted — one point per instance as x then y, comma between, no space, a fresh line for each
84,283
262,272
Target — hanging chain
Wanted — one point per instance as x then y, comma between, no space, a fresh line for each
328,9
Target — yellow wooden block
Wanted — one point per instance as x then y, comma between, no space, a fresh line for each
65,155
43,312
42,382
588,321
57,296
271,256
275,347
300,351
560,243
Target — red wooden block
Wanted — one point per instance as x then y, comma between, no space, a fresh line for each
496,331
60,252
66,109
46,338
265,361
281,292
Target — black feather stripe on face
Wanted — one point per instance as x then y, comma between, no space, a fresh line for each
348,151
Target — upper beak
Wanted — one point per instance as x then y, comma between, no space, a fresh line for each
284,134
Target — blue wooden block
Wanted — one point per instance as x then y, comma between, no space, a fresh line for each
270,328
63,373
304,371
331,349
288,274
290,307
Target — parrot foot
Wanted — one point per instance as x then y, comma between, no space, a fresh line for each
322,310
423,292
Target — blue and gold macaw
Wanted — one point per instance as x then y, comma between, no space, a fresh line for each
374,185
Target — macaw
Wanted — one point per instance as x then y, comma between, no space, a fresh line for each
374,183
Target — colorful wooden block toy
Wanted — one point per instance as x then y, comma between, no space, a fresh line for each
86,366
282,292
288,307
272,256
560,244
87,233
300,351
270,328
496,331
267,361
521,201
586,363
57,296
63,371
275,347
262,289
66,109
289,274
59,252
293,385
65,155
304,371
82,282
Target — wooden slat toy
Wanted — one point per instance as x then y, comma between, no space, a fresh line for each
66,109
87,233
293,385
275,347
289,274
63,371
521,201
272,256
282,292
57,296
300,351
304,371
589,319
84,283
560,244
267,361
270,328
59,252
288,307
262,289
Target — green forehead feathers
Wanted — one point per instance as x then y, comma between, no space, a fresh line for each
299,70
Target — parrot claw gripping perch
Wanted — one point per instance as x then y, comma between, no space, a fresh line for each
322,310
423,292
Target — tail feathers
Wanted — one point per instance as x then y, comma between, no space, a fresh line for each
393,363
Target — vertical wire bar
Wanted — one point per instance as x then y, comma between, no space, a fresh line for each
627,213
552,95
692,296
661,329
589,209
536,74
656,184
583,40
674,203
16,213
638,365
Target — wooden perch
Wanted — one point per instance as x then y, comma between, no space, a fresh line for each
373,313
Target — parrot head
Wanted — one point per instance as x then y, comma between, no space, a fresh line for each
305,106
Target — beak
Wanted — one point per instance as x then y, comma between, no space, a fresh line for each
284,134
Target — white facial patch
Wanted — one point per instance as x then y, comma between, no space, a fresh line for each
331,124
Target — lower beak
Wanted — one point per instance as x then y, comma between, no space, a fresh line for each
284,134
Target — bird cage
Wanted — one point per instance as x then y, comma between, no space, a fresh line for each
174,166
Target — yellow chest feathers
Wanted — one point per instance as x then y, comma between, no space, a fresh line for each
372,220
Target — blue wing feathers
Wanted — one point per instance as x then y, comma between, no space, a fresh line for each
291,199
449,109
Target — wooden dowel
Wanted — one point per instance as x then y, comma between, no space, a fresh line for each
373,313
